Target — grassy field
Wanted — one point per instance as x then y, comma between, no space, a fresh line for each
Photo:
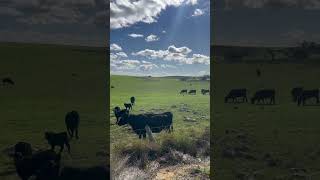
159,94
275,138
44,91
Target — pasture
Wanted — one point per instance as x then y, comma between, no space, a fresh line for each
51,80
265,141
158,94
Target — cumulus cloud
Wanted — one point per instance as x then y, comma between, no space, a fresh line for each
164,31
122,54
152,38
306,4
175,54
115,47
127,13
198,12
133,35
53,12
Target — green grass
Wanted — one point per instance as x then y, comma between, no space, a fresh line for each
160,94
45,91
288,132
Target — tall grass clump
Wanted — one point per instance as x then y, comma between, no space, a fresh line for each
195,143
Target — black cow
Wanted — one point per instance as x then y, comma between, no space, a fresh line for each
205,91
118,112
133,100
128,105
193,92
7,81
184,91
23,148
234,94
295,93
72,120
43,165
264,94
156,122
57,139
308,94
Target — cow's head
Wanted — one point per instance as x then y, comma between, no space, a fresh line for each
123,118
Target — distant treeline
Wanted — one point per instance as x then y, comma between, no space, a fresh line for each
302,52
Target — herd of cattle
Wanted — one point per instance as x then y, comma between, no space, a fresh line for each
139,122
267,96
45,164
194,92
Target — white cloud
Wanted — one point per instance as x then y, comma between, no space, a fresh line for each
115,47
122,54
175,54
124,13
124,65
133,35
164,31
198,12
147,67
152,38
168,66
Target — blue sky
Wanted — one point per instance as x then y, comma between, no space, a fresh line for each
160,37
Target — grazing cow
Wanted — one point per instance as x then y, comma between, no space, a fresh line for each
43,165
132,100
193,92
128,105
308,94
94,173
205,91
295,93
184,91
23,148
156,122
234,94
72,121
7,81
264,94
58,139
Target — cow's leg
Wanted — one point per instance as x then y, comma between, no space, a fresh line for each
77,136
68,146
69,132
144,135
72,132
61,148
139,135
52,147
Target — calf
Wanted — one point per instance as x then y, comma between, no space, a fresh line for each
7,81
72,121
192,92
234,94
295,93
184,91
205,91
128,105
308,94
156,122
118,112
133,100
264,94
57,139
